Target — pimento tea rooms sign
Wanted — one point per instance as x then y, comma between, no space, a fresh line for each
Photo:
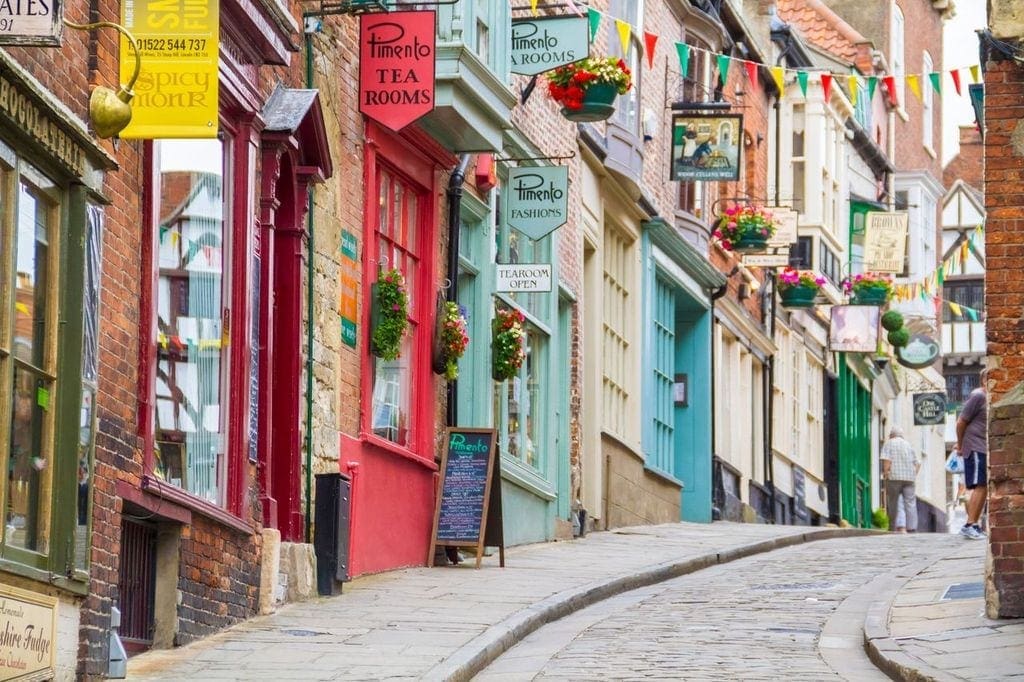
396,66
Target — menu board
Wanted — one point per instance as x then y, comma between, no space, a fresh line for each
469,500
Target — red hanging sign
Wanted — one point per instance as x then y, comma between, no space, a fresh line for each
396,66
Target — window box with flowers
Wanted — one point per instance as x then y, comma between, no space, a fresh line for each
451,339
744,228
587,89
389,315
799,288
869,289
507,349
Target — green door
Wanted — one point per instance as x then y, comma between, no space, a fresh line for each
854,416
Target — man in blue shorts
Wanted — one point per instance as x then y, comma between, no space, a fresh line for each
972,443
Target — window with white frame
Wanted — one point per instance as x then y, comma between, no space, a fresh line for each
927,115
897,60
797,159
627,108
617,333
696,86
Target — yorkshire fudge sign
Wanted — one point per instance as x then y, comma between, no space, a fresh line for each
538,199
396,66
30,22
27,635
543,43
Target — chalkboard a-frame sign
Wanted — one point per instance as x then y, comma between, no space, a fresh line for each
468,510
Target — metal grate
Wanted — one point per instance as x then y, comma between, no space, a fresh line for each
137,583
964,591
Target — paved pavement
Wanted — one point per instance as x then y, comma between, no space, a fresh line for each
450,623
934,627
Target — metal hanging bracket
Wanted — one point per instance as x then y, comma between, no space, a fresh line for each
518,159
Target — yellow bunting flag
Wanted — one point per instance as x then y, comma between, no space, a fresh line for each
624,30
21,308
964,246
533,7
779,76
955,308
975,73
853,84
914,84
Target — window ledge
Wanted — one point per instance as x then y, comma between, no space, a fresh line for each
378,442
526,478
664,475
185,499
62,582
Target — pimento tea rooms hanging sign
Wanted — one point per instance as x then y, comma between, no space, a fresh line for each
396,66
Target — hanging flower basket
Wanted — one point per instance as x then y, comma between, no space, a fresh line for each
744,228
389,315
507,348
799,288
451,339
587,89
869,289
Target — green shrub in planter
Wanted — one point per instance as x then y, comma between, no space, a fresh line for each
880,519
892,321
899,338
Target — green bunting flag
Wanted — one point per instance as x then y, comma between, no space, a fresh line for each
801,78
936,79
872,84
684,58
941,274
595,21
723,66
972,314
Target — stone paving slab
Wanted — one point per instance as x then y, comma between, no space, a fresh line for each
917,635
449,622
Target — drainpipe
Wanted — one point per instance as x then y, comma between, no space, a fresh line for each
455,182
768,372
715,295
309,321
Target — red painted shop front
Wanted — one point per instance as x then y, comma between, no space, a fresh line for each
392,460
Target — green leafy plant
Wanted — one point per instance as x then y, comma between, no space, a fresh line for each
869,283
892,321
880,519
791,278
454,339
899,338
391,315
507,350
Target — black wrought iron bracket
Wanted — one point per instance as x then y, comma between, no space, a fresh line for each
370,6
520,159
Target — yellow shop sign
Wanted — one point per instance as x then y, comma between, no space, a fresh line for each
176,94
28,640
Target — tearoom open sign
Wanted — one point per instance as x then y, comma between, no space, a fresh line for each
31,22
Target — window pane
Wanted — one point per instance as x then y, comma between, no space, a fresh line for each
30,289
390,411
192,364
28,468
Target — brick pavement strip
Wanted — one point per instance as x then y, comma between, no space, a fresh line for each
448,623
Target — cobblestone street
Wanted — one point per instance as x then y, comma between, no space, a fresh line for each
795,613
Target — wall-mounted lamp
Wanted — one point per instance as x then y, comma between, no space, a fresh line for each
110,112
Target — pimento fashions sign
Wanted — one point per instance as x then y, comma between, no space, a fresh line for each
396,66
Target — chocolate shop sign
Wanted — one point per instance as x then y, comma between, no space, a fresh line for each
541,44
538,199
396,66
28,623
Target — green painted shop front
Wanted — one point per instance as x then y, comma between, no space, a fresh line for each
854,415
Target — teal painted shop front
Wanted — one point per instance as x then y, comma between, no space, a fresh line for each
530,411
677,381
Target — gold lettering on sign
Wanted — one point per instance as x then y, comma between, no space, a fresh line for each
28,637
26,115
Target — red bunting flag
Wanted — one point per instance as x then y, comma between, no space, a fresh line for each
826,86
751,72
890,86
650,40
955,73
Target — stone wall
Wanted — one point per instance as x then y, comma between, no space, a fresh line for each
1004,304
634,495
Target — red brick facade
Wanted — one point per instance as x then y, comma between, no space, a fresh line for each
1004,303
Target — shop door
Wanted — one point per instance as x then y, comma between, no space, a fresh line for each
137,584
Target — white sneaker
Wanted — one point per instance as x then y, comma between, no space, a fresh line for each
972,532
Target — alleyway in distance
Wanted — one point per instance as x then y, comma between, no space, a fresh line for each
794,613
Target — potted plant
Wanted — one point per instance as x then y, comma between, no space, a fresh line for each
799,288
744,228
899,338
586,89
892,320
869,289
507,349
389,315
452,339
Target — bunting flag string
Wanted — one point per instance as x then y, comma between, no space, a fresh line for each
779,73
930,286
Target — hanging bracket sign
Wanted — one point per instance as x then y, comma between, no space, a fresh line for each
885,241
929,408
396,66
786,223
523,277
538,199
544,43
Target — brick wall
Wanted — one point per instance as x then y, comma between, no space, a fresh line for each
1004,303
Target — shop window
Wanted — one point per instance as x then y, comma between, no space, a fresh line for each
398,247
517,404
192,300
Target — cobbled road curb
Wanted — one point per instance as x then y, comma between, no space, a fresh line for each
482,650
